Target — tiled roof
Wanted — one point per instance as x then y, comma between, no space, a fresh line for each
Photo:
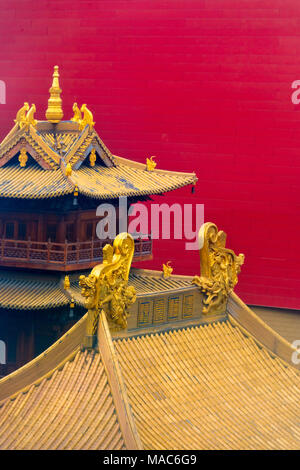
71,409
54,148
98,182
104,183
63,139
202,387
29,291
145,282
209,387
148,282
32,182
285,322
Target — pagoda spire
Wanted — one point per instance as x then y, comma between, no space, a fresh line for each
54,112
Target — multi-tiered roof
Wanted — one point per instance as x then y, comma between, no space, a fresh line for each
54,158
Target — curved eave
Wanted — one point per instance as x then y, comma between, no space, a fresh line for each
126,180
27,292
30,292
33,182
98,182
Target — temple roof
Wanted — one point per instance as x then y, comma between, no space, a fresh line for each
210,386
96,427
54,158
31,291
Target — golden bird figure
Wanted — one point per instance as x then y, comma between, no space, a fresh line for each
167,270
151,165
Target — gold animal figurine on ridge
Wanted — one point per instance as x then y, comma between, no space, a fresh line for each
167,270
106,287
87,118
151,164
220,267
21,115
25,116
77,114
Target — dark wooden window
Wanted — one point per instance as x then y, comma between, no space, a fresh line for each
9,230
22,231
51,232
70,233
89,230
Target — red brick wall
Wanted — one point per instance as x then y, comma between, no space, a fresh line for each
204,85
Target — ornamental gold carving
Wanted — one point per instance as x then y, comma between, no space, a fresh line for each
25,116
167,270
30,116
106,288
87,118
93,157
23,158
21,115
220,267
150,164
54,111
77,114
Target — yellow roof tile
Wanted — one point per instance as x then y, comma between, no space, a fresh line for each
209,387
73,409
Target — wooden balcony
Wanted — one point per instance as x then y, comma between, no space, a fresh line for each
62,256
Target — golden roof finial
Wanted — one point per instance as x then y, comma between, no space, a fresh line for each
54,112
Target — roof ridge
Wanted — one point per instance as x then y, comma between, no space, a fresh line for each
117,385
45,364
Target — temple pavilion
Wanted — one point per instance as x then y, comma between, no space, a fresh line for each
53,176
156,360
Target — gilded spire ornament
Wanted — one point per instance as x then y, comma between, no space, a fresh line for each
54,112
220,267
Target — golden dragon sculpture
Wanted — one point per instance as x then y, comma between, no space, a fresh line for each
106,288
220,267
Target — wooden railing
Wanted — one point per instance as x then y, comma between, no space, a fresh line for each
64,254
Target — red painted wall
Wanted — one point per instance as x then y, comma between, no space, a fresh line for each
204,85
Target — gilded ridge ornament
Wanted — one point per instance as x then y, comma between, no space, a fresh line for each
106,288
151,164
23,158
220,267
30,116
87,118
54,112
167,270
68,170
77,114
93,157
25,116
67,283
21,115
